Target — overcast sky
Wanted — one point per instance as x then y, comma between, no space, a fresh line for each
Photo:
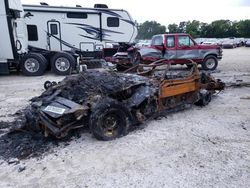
168,11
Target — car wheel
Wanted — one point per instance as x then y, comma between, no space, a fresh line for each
62,63
205,99
189,66
33,64
210,63
109,120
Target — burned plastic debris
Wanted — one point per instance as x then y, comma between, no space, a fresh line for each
19,141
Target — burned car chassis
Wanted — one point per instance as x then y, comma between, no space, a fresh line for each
110,103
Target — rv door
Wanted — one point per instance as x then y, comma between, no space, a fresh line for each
54,36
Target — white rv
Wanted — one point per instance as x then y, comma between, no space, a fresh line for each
61,34
14,53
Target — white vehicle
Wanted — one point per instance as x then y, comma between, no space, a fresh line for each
211,41
13,37
14,52
62,34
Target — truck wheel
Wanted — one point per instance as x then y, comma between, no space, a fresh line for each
210,63
62,63
33,64
109,120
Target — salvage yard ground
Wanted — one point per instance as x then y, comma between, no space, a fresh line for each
197,147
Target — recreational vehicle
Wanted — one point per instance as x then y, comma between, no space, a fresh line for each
13,37
62,34
14,53
43,36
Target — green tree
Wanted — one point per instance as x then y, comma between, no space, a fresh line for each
216,29
206,30
220,28
182,27
233,30
193,28
243,28
173,28
149,28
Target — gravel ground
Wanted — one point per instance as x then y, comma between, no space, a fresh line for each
197,147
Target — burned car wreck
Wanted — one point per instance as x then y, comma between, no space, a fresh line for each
110,103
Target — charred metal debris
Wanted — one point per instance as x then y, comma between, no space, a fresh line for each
110,103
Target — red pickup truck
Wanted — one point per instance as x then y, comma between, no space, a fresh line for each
178,48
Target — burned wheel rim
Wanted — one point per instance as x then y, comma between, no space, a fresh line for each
210,63
109,120
32,65
62,64
110,124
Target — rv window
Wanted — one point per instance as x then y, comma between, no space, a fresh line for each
53,29
77,15
32,33
113,22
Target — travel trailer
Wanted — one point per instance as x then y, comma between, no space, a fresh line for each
63,33
14,53
42,36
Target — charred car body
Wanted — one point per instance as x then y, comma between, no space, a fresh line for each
110,103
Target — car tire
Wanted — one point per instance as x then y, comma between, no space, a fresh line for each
62,63
33,64
109,120
210,63
205,99
189,66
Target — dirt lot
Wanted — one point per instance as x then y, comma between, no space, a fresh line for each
198,147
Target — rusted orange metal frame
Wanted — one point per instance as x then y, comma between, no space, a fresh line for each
175,87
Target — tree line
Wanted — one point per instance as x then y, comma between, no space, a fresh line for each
216,29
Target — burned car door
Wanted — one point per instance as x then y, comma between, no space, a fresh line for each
186,49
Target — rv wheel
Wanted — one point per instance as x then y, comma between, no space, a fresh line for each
62,63
33,64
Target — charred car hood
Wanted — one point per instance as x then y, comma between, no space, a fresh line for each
89,86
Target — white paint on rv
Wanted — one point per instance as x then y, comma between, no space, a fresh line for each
15,30
5,41
15,5
74,33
